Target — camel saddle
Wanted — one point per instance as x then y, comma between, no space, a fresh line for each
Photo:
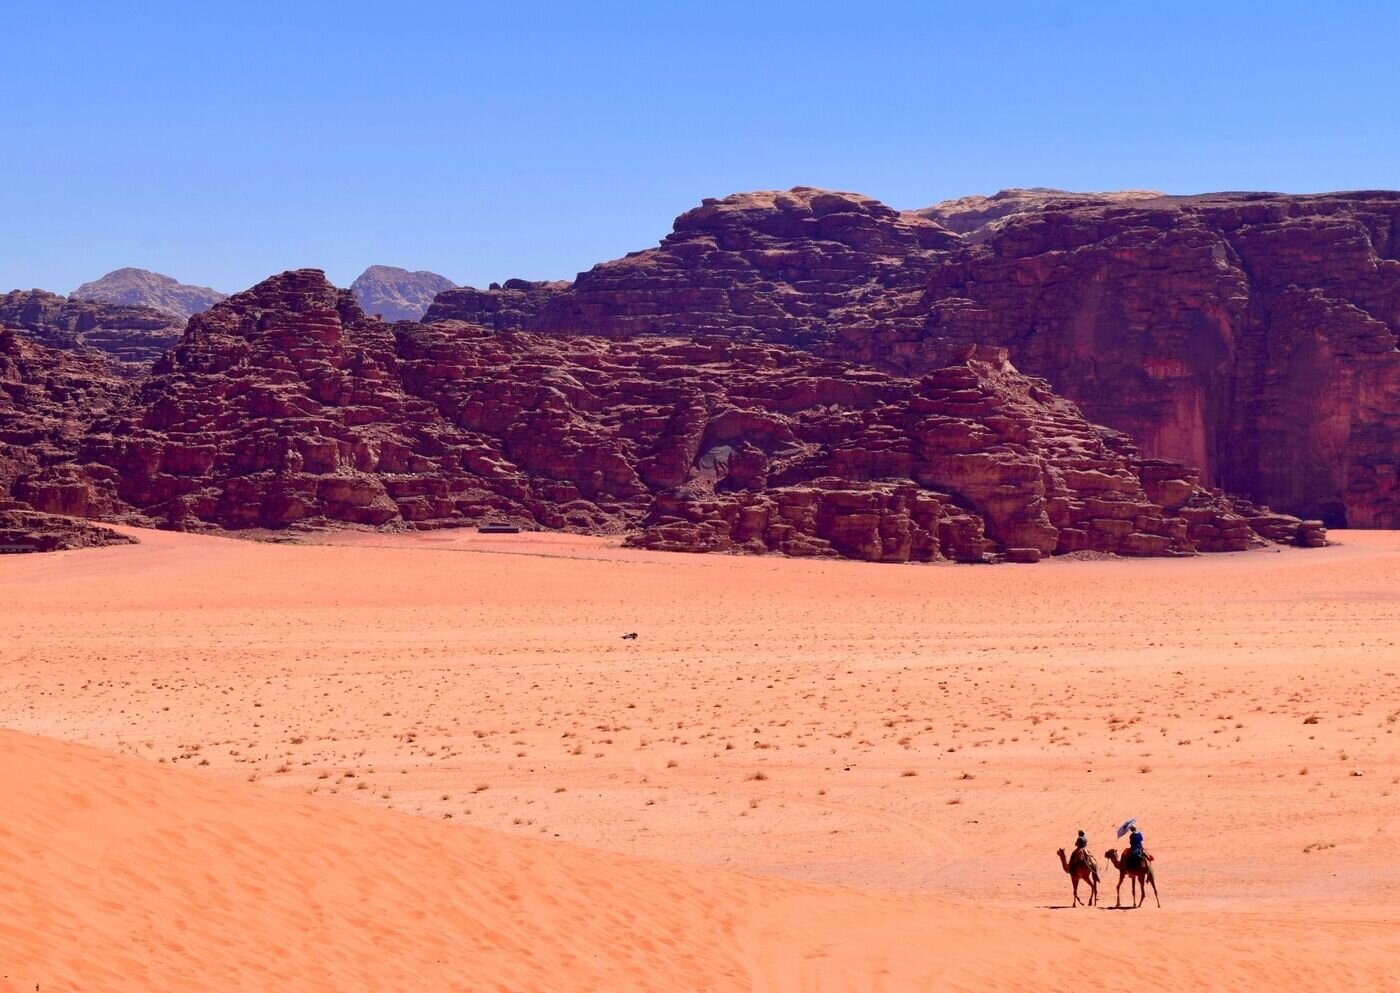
1081,856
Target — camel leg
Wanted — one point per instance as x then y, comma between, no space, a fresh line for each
1118,900
1093,891
1152,878
1074,882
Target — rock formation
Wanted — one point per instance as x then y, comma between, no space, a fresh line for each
977,218
805,372
25,530
516,304
47,397
285,406
969,460
792,267
1251,335
130,337
143,288
397,294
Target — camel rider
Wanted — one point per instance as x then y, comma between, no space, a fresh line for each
1135,849
1081,849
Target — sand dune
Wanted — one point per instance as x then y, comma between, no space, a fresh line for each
120,875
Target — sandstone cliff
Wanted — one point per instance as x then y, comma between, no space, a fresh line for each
968,460
1250,335
130,337
25,530
46,399
285,406
1253,336
793,267
977,218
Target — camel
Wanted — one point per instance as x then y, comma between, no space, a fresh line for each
1085,870
1140,875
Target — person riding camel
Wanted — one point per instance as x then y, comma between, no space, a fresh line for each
1081,851
1135,849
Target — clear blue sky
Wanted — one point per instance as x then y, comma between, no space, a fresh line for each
220,142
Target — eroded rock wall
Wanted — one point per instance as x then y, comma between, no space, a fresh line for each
285,406
130,337
1250,335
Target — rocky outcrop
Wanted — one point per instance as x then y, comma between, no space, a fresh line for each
48,399
515,304
966,462
1253,336
977,218
285,406
131,337
1250,335
143,288
397,294
25,530
785,266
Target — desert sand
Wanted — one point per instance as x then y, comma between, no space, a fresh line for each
799,774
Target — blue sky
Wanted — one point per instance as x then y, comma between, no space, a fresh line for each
223,142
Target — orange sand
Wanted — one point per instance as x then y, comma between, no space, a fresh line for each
928,735
123,876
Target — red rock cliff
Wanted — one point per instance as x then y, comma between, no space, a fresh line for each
1250,335
285,406
130,337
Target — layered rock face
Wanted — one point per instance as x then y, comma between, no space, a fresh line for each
977,218
970,460
286,406
1250,335
47,398
785,266
143,288
1253,336
396,294
131,337
24,530
515,304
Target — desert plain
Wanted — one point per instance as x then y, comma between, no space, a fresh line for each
433,762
